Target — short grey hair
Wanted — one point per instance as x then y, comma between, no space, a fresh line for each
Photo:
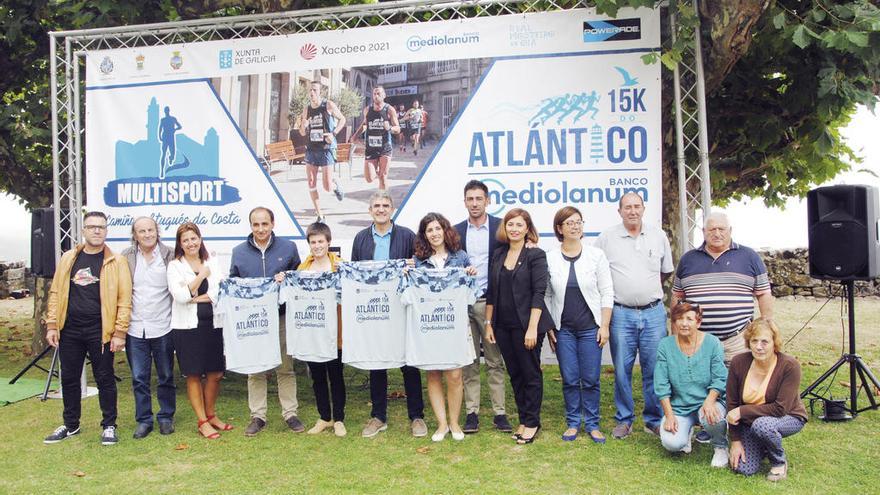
138,219
717,216
381,194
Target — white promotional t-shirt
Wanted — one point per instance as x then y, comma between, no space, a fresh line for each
311,299
373,318
249,307
438,333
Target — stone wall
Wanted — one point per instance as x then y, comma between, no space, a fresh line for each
12,277
789,272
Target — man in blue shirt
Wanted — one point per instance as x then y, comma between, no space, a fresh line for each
383,240
265,255
477,234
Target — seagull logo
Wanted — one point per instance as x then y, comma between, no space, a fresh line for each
628,80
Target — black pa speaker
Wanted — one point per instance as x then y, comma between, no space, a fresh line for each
843,242
43,242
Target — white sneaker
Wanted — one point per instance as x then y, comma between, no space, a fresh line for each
690,445
339,429
440,435
720,458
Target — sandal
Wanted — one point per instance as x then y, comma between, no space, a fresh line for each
212,436
518,434
524,441
597,437
221,427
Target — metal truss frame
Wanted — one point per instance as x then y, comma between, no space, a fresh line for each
691,135
68,49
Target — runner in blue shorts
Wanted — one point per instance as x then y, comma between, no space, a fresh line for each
380,121
320,122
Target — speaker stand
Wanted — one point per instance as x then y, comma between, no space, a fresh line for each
856,366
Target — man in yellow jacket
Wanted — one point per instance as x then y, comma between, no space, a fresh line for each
90,301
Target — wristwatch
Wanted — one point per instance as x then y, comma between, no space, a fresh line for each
487,322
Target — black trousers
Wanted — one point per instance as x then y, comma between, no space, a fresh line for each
322,373
73,346
524,368
412,384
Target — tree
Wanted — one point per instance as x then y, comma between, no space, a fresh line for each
782,78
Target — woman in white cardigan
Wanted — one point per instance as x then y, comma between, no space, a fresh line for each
580,298
193,280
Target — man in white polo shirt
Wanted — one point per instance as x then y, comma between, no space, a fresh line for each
640,259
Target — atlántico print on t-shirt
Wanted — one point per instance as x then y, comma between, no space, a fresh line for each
250,324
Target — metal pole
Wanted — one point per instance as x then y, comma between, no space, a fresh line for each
76,149
74,213
705,183
56,173
853,387
684,238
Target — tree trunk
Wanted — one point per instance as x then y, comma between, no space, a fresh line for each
41,302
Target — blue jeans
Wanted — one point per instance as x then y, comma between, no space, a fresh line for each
635,330
674,442
580,363
142,353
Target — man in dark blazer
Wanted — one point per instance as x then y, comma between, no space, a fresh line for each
383,240
477,234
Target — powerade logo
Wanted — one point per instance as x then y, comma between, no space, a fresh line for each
168,167
612,30
416,43
564,192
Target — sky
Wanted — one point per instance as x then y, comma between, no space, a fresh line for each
754,225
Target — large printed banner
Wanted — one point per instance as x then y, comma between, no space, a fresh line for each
548,109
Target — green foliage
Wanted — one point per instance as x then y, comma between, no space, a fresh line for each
775,122
349,101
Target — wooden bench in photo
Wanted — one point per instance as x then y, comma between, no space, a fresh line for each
283,152
343,156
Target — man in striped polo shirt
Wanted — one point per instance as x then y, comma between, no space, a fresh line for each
724,278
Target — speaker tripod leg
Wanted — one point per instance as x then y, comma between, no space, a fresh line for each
809,390
51,373
30,365
869,382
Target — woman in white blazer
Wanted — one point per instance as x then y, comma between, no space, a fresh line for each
193,280
580,298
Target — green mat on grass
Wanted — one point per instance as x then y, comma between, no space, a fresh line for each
23,389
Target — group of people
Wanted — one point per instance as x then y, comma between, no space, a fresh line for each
717,369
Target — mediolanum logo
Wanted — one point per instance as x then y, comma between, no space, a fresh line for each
168,167
416,43
612,30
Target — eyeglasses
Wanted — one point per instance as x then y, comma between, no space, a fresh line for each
691,303
95,228
573,223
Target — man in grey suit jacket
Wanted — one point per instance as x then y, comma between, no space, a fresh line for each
149,335
477,234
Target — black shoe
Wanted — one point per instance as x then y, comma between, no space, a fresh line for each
142,430
502,424
471,423
295,424
166,427
255,427
60,433
108,436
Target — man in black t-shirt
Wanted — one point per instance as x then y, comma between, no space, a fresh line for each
90,300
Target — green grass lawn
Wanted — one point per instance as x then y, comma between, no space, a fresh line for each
824,457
